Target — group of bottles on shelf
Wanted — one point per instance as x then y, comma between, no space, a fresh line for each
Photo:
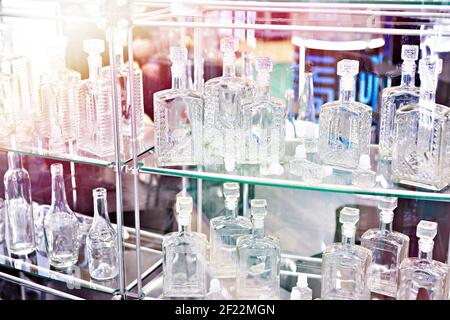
67,115
61,226
244,263
236,122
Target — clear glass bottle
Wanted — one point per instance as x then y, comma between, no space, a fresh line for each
307,170
422,275
102,241
264,124
346,266
61,226
224,97
301,291
216,292
224,232
58,105
394,98
178,118
95,106
259,259
344,127
307,109
19,207
422,131
388,248
363,176
184,257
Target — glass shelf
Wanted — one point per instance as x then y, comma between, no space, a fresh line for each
339,181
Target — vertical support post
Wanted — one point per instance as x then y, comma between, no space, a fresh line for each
245,200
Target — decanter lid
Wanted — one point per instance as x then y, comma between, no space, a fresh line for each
184,205
387,203
258,207
56,169
178,54
347,67
410,52
349,215
231,190
264,64
426,230
229,45
364,162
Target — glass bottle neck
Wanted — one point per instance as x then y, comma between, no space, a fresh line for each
59,200
229,65
100,209
178,76
231,208
258,228
408,74
263,85
183,228
347,89
14,161
426,249
348,235
95,66
386,218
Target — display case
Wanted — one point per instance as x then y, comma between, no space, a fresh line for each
305,41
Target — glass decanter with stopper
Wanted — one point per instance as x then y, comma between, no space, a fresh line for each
345,265
259,259
396,97
344,125
178,117
102,241
388,248
184,257
19,207
301,291
264,124
422,277
222,123
225,230
61,226
422,131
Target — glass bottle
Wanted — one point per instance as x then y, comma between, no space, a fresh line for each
247,69
61,226
102,241
344,127
216,292
184,257
301,291
259,259
422,131
422,274
58,105
395,97
346,266
388,248
225,230
363,176
9,100
224,97
307,109
178,118
19,207
264,124
307,170
95,106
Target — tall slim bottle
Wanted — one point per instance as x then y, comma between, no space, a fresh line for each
19,207
61,226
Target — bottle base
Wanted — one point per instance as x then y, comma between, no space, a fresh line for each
63,264
22,250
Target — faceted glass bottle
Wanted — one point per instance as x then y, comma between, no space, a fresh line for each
95,106
420,155
396,97
225,230
423,277
61,226
259,259
344,127
346,266
388,248
222,123
264,124
102,241
178,118
19,207
184,257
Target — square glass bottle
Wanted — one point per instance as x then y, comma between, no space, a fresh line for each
346,266
422,277
178,118
184,257
344,125
420,153
259,259
388,248
225,230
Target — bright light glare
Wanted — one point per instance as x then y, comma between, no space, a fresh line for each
338,45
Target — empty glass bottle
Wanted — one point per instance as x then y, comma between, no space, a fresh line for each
364,176
264,124
259,259
344,127
102,241
61,226
308,171
422,131
178,118
345,266
184,257
307,109
422,277
396,97
301,291
225,230
19,207
388,248
224,97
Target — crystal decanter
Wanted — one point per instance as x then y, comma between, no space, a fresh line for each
388,248
178,118
344,127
